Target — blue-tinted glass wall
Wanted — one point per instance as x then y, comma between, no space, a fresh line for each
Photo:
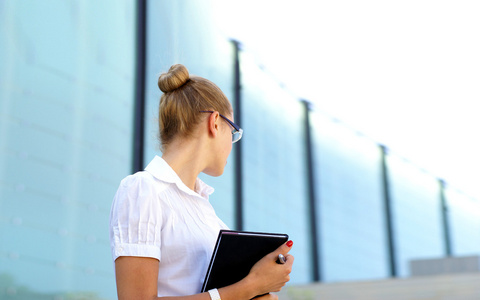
183,32
66,107
275,176
464,220
416,213
66,95
351,221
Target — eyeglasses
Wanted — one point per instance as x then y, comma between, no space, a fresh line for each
237,132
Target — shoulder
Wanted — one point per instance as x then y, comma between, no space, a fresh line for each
139,189
142,180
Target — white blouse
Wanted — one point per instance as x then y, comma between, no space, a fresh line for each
154,214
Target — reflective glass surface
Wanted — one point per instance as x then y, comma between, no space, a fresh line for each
66,102
350,214
66,125
417,222
464,220
275,190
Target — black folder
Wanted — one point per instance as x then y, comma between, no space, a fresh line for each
235,254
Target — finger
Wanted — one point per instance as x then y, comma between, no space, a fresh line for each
289,260
283,249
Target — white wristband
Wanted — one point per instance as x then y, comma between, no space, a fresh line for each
214,295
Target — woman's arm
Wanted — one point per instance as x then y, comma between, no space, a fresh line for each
137,279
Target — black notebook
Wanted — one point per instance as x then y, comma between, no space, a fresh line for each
235,254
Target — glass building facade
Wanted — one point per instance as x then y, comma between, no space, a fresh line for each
68,95
66,101
350,219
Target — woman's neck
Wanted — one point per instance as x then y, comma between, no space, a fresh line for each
185,158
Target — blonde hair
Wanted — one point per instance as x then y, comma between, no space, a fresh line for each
183,99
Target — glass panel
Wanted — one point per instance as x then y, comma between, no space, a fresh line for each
275,189
464,220
416,213
351,220
65,138
183,32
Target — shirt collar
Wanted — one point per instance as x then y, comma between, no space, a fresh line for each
161,170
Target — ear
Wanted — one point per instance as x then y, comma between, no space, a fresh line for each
213,121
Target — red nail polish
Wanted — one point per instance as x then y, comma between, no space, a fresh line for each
289,243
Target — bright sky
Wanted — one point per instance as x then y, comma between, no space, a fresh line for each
405,73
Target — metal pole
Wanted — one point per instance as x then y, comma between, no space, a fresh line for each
310,166
445,220
139,110
388,214
238,146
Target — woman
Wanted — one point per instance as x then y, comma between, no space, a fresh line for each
162,226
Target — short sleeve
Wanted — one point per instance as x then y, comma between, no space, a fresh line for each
136,218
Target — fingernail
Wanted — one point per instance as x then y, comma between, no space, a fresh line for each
289,243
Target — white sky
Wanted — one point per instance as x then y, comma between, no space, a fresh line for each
405,73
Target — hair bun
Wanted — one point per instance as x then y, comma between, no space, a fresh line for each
176,76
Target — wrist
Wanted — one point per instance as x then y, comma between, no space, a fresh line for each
250,286
214,295
245,289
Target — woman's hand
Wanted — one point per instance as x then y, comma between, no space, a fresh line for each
269,276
